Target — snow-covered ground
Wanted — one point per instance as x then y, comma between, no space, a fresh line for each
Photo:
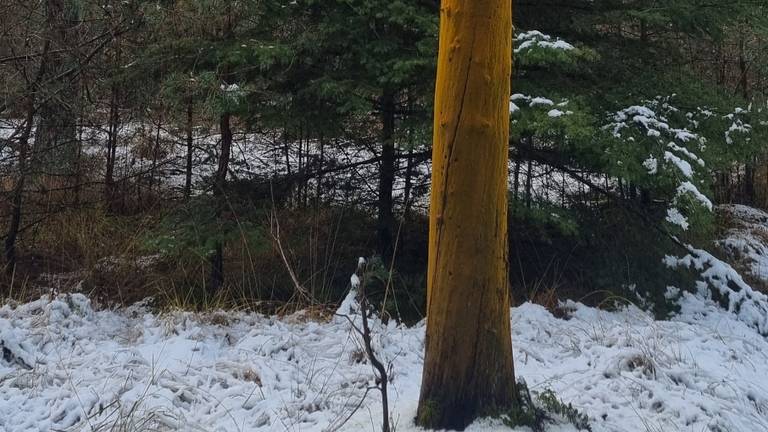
66,366
744,241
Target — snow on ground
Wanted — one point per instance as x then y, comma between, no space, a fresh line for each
744,242
66,366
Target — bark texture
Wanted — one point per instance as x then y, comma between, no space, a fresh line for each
468,369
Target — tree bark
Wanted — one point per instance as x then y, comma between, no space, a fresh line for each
114,124
190,151
17,200
749,166
468,368
217,259
386,220
528,184
18,191
56,134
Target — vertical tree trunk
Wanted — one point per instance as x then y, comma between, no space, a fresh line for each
56,134
190,151
217,259
528,184
18,191
321,163
468,368
407,192
516,179
14,224
112,130
155,155
749,167
287,148
79,158
386,221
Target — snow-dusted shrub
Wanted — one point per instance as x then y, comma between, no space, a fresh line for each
536,410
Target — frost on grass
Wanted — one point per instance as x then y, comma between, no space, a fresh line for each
744,240
720,283
191,372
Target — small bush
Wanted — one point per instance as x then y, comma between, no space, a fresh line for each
539,409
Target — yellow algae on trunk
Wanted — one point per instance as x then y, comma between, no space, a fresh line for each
468,369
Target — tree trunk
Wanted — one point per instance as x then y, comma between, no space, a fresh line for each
14,224
56,133
321,163
386,221
226,149
287,148
190,152
407,192
18,191
155,155
468,368
749,167
528,184
217,259
516,179
114,122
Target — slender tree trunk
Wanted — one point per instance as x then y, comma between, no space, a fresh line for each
407,198
386,220
749,167
79,158
18,191
287,148
408,184
516,178
321,163
528,184
114,125
190,151
155,155
468,368
217,259
14,224
56,134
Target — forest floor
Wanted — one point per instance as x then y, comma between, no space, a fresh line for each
69,365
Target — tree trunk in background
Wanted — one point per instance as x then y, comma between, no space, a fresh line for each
749,182
516,179
217,259
18,191
321,163
56,134
528,185
386,221
468,368
114,124
155,155
14,224
408,187
225,128
749,167
190,150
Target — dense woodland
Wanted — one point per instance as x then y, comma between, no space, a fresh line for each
211,154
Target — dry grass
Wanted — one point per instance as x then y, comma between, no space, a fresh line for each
106,256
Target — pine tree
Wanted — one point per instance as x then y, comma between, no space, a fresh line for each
359,59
